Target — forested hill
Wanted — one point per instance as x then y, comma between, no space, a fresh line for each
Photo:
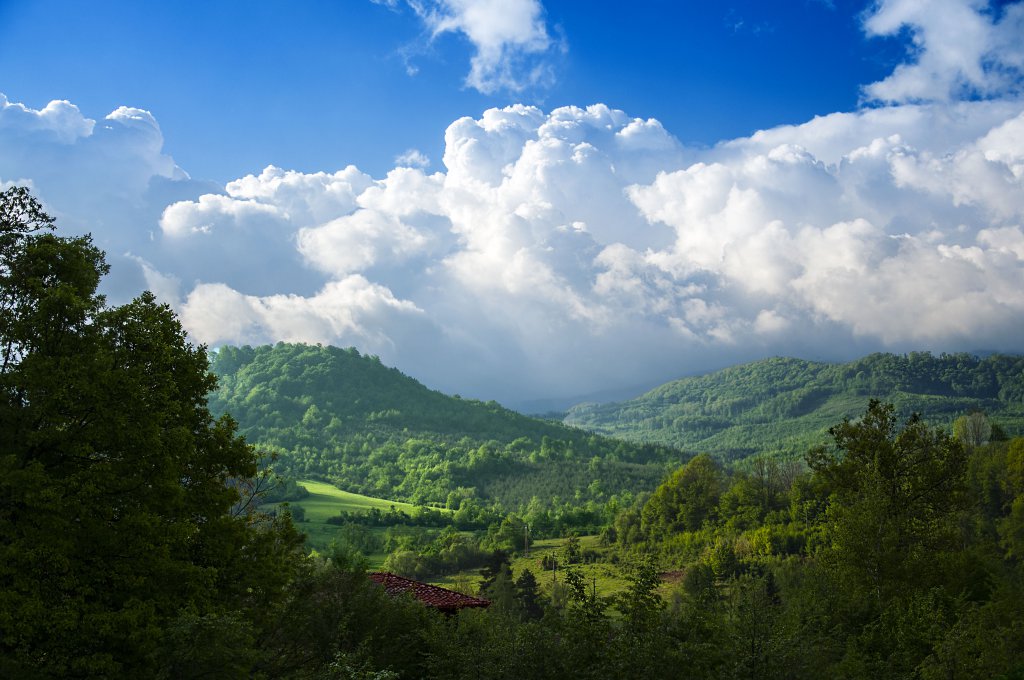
786,405
340,416
273,387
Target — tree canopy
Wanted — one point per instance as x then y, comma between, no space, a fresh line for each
117,541
783,405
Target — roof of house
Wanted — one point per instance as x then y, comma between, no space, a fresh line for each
432,596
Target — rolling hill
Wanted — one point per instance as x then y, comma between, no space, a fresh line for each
345,418
783,405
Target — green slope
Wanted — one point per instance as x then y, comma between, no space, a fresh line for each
785,405
326,500
338,416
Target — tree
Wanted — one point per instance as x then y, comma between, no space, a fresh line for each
528,594
896,495
894,523
496,561
116,538
572,553
686,500
501,591
972,430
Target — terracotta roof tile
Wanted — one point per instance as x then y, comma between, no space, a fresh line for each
432,596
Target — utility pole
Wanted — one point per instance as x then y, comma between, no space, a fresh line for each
526,538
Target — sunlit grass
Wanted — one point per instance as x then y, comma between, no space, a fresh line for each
325,501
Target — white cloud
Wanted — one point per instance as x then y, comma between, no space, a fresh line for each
555,240
107,176
358,241
510,39
61,120
412,158
565,251
351,312
959,49
210,213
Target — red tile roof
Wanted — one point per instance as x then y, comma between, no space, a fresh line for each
432,596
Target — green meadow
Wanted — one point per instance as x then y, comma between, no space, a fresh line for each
607,578
324,501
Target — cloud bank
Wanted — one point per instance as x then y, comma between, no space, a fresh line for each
578,249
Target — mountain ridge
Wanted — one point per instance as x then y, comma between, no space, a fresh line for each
785,404
339,416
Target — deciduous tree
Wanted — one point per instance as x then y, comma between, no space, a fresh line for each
116,540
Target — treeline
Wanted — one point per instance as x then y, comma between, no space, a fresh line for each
895,551
898,552
787,405
336,415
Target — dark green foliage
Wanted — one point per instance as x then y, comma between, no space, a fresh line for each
897,494
283,490
528,596
497,561
787,405
119,554
419,555
375,517
336,415
889,558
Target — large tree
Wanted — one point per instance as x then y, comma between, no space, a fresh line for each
897,554
897,496
119,553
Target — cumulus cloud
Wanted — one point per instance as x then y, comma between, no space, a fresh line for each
570,249
108,176
510,39
566,251
349,311
60,120
959,49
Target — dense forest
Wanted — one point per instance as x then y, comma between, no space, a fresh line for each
336,415
134,541
785,406
897,552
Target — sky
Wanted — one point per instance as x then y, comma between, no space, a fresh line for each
530,200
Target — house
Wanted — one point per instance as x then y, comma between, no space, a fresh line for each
442,599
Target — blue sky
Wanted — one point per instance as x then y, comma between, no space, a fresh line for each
318,85
539,199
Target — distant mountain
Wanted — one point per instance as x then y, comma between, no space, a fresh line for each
556,407
785,405
343,417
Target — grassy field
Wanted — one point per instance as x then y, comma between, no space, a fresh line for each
324,501
607,578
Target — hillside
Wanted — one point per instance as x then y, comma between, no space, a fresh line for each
336,415
786,405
